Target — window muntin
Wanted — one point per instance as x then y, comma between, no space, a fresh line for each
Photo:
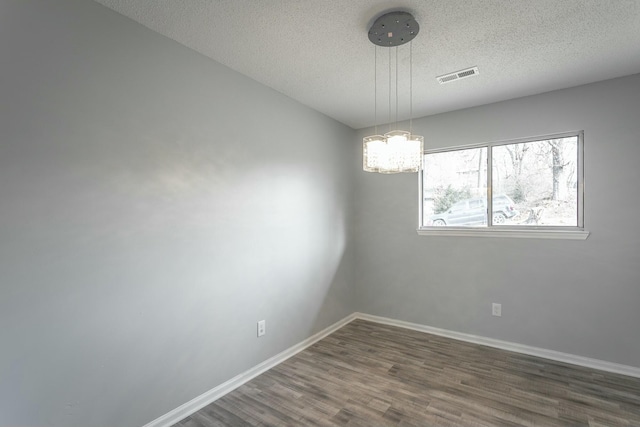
536,185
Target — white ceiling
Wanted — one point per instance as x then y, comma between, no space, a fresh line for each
317,51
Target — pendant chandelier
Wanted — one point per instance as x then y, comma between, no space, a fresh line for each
397,150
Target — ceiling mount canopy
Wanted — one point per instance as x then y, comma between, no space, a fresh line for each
397,150
394,29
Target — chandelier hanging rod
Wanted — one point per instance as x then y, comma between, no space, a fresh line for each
397,150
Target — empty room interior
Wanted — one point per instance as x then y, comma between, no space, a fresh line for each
319,212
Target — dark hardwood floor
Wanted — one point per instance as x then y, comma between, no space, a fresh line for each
367,374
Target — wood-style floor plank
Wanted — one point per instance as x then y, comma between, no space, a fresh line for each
367,374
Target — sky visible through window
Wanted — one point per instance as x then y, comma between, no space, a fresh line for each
534,183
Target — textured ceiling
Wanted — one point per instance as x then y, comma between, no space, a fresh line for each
317,51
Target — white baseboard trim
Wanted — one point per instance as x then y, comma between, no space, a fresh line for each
194,405
183,411
510,346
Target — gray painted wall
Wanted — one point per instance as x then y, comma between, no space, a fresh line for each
153,206
579,297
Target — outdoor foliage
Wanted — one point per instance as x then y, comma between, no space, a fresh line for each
445,197
539,176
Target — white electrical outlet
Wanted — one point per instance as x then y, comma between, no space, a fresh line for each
496,309
262,327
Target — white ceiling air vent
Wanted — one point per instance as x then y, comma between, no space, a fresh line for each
462,74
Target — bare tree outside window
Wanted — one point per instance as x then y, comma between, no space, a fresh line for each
533,183
536,175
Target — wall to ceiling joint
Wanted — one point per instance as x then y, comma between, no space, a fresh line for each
154,205
577,297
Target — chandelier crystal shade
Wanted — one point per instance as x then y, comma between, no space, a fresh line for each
396,151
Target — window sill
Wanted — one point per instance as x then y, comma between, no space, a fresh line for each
510,233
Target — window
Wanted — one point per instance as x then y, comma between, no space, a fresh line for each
532,187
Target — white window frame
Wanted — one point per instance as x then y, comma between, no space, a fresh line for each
520,231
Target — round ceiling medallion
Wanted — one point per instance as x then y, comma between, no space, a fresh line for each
394,29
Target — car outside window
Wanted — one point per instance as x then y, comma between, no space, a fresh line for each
528,184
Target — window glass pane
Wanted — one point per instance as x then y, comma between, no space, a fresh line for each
536,183
455,188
